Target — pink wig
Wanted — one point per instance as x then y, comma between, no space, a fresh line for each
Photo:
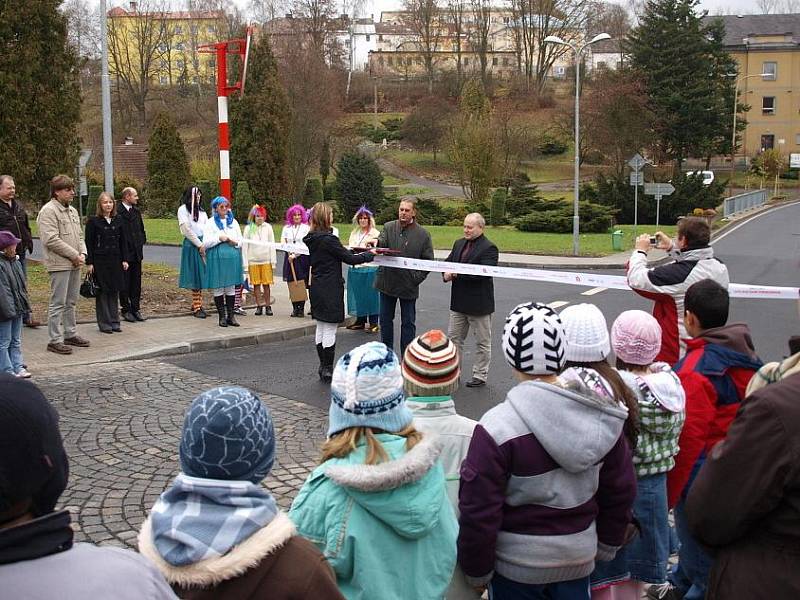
296,208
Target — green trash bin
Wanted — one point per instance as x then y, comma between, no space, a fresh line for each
616,240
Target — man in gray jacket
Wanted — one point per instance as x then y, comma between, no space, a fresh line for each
410,240
38,558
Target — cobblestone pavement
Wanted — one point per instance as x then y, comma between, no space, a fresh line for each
121,425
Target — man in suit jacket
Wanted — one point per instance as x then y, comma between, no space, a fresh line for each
135,239
472,297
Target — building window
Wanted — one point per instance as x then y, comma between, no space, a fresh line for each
389,60
768,105
179,47
601,64
419,60
770,71
466,62
179,64
767,142
163,80
560,71
797,139
368,40
408,61
495,61
380,38
211,31
380,60
505,62
178,30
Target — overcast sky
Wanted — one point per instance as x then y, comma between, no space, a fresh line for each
727,7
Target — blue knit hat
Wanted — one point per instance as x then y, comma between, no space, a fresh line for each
228,434
367,391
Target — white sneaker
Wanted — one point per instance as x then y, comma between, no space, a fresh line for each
23,374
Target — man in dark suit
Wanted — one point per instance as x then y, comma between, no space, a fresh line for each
472,296
135,239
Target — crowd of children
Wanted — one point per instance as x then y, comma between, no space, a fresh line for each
562,491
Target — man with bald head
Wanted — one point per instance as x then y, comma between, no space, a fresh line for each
472,296
135,239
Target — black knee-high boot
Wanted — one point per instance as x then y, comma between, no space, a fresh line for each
321,357
328,355
230,302
219,302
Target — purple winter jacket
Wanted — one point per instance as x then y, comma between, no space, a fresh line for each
547,486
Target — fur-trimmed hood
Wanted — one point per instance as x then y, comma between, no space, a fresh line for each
213,571
406,493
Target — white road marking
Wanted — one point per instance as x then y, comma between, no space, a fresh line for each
557,304
593,291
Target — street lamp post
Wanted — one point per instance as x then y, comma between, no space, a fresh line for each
735,112
578,51
105,86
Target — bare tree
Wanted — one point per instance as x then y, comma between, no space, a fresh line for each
538,19
422,18
315,18
767,6
455,19
262,11
481,27
136,45
83,27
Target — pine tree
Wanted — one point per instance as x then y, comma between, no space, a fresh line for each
259,122
325,161
167,168
40,107
683,66
242,202
358,181
312,192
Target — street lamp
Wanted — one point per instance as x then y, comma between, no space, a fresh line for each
578,50
735,112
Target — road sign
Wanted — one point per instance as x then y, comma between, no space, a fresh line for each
658,189
794,161
637,162
637,178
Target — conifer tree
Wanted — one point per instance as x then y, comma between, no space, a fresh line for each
358,181
167,168
325,161
242,202
259,123
40,107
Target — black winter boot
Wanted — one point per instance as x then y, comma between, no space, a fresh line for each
230,301
321,356
327,367
219,301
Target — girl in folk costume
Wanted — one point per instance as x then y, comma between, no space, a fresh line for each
260,261
222,239
327,303
363,301
294,231
192,219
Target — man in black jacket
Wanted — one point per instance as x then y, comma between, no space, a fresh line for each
13,218
411,241
135,239
472,296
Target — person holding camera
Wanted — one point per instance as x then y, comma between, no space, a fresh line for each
666,285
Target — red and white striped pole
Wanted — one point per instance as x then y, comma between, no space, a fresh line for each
222,113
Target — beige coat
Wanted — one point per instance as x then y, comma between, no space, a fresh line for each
61,235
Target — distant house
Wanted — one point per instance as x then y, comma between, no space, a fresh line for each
767,50
130,159
606,54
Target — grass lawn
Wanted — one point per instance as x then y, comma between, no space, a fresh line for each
508,239
160,292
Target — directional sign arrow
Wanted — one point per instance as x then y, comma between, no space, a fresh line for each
658,189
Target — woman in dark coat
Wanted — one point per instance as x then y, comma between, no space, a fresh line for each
106,261
327,284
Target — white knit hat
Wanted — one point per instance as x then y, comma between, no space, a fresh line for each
587,333
533,340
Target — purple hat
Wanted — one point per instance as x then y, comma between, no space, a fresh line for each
636,337
7,239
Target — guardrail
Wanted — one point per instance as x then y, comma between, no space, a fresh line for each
742,202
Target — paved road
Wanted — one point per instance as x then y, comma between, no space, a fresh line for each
289,369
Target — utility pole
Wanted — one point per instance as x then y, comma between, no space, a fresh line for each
108,153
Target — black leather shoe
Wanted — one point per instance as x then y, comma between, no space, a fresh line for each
200,314
475,382
138,316
129,317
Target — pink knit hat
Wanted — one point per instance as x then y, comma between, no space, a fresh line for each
636,337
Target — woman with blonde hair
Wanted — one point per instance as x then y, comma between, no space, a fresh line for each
363,300
377,506
327,287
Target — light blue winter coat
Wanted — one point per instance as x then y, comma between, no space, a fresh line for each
388,530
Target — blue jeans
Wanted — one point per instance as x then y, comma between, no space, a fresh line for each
501,588
690,575
408,318
11,345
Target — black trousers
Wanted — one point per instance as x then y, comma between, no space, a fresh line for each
131,296
107,310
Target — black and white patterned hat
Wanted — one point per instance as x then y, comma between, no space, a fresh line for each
533,340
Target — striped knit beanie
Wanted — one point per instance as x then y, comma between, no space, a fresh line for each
430,365
367,391
533,340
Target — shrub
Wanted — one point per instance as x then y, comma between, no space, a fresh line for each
594,218
525,199
242,202
167,167
498,213
551,145
358,181
430,213
209,191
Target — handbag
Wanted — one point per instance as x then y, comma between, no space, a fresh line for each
89,287
297,289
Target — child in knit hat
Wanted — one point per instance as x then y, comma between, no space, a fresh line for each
430,376
548,483
216,533
377,505
636,339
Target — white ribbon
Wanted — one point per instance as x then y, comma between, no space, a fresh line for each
616,282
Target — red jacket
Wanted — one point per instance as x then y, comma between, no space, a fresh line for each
715,372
